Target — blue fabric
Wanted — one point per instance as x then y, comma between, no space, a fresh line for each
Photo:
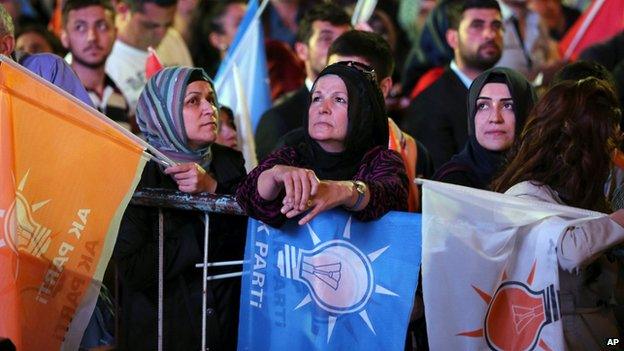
296,282
56,71
252,63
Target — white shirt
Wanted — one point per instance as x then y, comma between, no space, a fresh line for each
126,66
173,51
536,44
464,78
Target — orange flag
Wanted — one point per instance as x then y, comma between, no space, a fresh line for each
66,177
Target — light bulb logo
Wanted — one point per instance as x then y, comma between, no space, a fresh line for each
517,314
339,276
21,232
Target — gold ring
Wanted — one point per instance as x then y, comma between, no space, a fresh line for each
309,203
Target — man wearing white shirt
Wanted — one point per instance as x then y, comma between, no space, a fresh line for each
141,24
528,49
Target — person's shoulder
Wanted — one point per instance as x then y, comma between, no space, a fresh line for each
295,98
43,58
535,191
381,154
456,173
225,151
441,88
221,153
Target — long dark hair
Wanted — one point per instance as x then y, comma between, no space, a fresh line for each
567,143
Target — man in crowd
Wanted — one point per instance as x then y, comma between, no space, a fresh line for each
141,24
50,67
529,48
437,117
320,26
88,33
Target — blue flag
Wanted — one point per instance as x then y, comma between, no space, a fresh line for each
248,54
335,284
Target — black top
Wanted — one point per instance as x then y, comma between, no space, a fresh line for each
437,117
279,120
136,253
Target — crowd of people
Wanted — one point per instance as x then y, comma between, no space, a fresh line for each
470,92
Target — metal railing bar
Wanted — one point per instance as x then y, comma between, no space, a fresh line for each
205,276
220,264
224,276
205,202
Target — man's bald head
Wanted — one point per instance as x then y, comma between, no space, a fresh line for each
7,32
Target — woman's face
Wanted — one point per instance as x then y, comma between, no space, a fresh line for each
328,114
495,121
227,131
199,113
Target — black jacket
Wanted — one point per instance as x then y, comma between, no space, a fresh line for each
136,254
437,117
279,120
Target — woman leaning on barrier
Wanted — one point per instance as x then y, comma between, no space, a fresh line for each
340,158
177,112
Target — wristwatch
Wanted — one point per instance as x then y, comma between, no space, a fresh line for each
360,187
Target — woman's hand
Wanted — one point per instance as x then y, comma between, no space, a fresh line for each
329,194
299,184
192,178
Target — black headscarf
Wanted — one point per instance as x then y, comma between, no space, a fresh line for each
484,163
368,126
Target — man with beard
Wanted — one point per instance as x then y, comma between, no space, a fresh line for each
437,117
89,33
47,66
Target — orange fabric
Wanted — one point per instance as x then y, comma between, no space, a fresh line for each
56,21
426,80
609,20
618,158
65,179
405,145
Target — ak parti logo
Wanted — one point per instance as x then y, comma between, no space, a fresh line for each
22,232
517,314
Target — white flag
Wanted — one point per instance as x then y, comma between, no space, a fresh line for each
242,119
363,11
490,271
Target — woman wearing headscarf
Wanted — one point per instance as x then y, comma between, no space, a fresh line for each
177,113
564,157
342,158
499,101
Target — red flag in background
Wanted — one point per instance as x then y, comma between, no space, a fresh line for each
152,64
602,20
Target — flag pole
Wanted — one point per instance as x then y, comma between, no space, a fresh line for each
238,48
363,11
156,155
579,34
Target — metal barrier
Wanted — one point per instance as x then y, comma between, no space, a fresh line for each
205,202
